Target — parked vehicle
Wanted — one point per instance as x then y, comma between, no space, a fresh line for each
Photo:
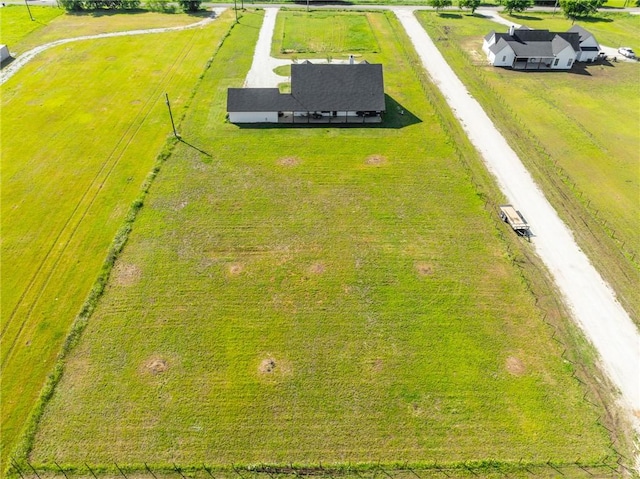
514,218
626,52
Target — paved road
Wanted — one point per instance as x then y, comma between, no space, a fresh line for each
593,303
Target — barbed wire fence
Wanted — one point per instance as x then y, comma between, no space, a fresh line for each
605,468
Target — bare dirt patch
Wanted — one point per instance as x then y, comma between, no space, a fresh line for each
317,268
515,366
157,365
424,269
377,365
274,368
289,161
375,160
126,274
267,366
235,269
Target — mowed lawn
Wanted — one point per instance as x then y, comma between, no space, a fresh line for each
81,128
578,132
18,30
314,295
323,33
16,24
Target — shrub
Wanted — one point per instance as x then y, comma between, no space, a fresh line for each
190,5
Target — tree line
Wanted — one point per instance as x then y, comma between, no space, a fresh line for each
572,9
154,5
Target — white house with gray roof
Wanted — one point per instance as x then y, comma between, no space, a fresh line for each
527,49
328,93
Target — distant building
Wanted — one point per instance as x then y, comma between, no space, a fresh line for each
4,53
527,49
320,93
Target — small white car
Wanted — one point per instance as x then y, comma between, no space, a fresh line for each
626,52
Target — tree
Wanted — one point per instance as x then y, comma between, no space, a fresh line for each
438,4
190,5
517,5
472,4
580,8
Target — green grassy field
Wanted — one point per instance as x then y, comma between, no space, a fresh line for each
323,32
17,28
581,144
15,23
81,128
307,295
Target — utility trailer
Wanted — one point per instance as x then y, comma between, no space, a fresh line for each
510,215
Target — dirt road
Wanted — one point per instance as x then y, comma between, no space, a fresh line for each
593,303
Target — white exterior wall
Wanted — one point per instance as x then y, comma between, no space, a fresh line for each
487,44
503,58
4,53
563,58
591,55
253,116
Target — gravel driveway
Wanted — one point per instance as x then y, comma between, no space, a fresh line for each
26,57
592,302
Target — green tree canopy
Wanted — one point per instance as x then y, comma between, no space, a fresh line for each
580,8
438,4
190,5
517,5
472,4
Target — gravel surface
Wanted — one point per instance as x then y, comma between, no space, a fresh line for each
593,303
26,57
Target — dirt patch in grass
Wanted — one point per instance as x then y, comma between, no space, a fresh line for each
272,367
235,269
375,160
157,365
424,269
289,161
126,274
515,366
317,268
377,365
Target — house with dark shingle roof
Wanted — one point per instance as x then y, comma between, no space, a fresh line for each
319,92
527,49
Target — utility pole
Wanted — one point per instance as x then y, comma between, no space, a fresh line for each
29,10
175,133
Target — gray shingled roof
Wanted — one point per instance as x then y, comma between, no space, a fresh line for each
324,87
260,99
357,87
583,33
539,43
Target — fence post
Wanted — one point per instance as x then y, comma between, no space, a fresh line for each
33,469
123,474
61,470
178,470
91,471
16,467
150,471
208,470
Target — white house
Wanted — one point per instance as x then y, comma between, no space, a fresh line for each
589,46
4,53
325,93
527,49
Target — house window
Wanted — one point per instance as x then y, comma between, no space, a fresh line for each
504,58
569,62
555,63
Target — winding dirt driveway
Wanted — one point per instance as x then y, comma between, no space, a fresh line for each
26,57
593,303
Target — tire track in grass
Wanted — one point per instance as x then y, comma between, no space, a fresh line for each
88,198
